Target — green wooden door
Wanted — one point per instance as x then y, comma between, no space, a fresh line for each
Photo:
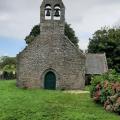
50,81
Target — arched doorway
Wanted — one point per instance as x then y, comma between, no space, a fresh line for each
50,81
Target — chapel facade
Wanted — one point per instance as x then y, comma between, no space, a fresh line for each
51,61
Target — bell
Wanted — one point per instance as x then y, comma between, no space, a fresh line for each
48,12
57,14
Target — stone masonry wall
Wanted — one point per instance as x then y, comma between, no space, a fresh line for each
51,52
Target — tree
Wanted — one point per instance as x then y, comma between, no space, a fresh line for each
107,40
34,33
7,61
69,32
8,67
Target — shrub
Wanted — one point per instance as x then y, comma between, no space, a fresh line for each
105,89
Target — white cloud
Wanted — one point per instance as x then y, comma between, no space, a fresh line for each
4,17
95,14
17,17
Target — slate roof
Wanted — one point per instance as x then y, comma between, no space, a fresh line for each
96,64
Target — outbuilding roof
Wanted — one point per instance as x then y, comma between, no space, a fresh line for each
96,63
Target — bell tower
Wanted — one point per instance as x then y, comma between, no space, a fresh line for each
52,17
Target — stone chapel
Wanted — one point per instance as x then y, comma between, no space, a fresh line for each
51,61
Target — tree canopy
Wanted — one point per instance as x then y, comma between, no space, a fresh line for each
8,63
69,32
107,40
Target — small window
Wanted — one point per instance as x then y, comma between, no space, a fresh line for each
48,12
57,12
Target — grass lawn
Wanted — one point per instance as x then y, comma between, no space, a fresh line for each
19,104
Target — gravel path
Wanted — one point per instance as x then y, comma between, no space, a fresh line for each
76,91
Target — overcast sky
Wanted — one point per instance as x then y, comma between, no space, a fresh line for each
17,17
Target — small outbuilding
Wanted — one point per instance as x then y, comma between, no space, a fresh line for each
96,64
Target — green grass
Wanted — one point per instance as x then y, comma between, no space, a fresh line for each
35,104
87,88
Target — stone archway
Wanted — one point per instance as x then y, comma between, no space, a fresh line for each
57,75
50,81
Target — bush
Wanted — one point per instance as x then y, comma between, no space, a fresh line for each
105,89
8,75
